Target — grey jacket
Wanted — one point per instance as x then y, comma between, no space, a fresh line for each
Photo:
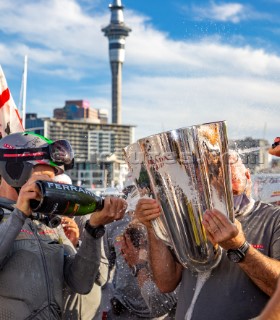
34,262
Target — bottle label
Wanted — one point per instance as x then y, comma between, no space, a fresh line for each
63,199
68,187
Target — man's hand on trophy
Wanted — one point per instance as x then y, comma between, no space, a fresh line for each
114,209
219,229
147,210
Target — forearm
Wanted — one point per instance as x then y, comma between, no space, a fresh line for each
272,309
166,271
9,230
81,271
262,270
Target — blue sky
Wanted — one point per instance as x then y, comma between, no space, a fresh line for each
187,62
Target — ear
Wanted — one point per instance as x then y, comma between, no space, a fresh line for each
248,174
249,182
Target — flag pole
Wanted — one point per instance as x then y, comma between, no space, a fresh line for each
24,91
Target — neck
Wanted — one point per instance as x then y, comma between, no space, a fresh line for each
6,191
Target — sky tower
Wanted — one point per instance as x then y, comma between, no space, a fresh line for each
116,32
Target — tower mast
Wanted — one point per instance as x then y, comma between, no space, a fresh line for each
116,32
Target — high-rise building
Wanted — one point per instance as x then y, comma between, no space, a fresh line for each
254,152
98,147
80,110
116,32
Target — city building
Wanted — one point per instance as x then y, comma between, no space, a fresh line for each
98,148
116,32
254,153
80,110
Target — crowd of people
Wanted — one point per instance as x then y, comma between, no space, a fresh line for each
79,269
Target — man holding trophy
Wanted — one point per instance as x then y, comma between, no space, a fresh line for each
241,284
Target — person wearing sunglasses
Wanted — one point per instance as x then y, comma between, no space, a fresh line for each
36,260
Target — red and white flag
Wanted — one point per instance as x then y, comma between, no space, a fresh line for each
10,120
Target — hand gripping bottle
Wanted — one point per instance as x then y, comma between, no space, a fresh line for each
65,199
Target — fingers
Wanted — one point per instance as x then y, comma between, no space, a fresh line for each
39,176
147,202
121,208
219,229
215,221
49,175
210,237
149,218
128,242
29,191
70,229
147,210
114,209
216,216
68,223
128,251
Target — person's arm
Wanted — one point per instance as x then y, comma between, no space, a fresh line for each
262,270
9,230
102,275
272,309
166,271
158,303
81,270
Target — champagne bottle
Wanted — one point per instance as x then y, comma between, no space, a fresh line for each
65,199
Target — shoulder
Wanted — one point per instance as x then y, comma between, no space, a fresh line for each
266,213
266,208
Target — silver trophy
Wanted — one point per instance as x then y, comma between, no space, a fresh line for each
187,171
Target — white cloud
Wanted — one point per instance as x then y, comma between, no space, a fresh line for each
233,12
166,83
54,32
246,103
